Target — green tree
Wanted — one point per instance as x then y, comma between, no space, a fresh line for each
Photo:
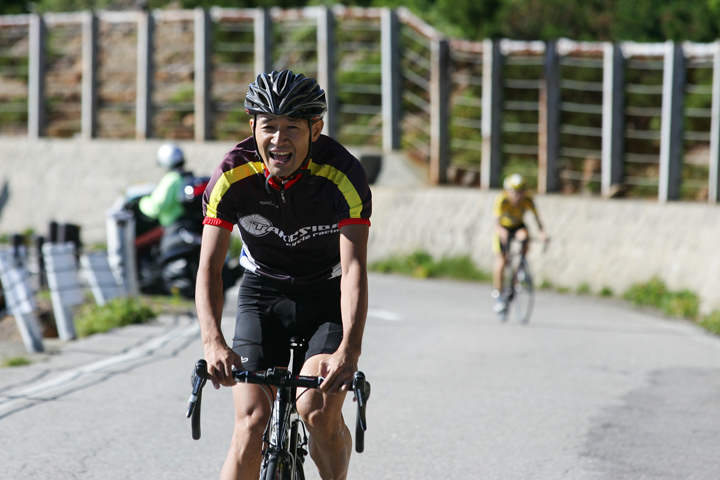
13,7
473,19
652,21
592,20
549,19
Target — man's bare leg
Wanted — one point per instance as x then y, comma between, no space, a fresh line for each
524,239
330,442
252,411
500,260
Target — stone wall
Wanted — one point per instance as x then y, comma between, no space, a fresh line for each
603,243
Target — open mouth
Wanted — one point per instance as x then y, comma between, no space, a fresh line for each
282,157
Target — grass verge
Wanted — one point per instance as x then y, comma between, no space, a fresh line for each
421,265
117,313
16,362
681,303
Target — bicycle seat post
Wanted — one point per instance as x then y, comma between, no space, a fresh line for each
297,346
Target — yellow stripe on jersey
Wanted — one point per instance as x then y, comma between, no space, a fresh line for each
228,178
511,216
344,185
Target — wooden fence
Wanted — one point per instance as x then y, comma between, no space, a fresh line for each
608,119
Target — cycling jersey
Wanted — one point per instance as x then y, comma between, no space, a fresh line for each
290,231
511,216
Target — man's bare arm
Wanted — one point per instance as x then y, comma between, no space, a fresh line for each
209,298
353,304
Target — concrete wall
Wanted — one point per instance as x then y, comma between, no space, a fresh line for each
75,181
604,243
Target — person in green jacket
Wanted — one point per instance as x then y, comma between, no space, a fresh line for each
164,202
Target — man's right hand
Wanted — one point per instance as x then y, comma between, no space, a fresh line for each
220,362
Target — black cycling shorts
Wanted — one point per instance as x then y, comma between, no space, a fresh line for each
271,312
500,247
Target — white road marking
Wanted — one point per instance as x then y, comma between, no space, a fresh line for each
384,315
10,399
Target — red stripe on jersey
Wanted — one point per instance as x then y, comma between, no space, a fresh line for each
218,223
354,221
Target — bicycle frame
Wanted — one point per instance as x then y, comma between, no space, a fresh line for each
514,258
282,435
517,280
281,440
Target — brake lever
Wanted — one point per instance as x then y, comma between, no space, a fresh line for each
361,389
197,380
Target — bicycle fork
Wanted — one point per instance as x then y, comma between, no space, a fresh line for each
277,440
297,447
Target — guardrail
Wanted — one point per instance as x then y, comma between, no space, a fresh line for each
24,272
609,119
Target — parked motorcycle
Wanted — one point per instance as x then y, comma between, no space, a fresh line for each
168,257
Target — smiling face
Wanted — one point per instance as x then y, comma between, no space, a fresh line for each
283,142
516,196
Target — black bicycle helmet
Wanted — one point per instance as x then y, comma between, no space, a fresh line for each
286,93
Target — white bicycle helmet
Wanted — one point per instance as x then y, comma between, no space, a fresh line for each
170,156
515,182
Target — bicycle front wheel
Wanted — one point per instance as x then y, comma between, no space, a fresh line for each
296,452
524,294
276,468
299,472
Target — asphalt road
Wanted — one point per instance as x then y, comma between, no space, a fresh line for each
590,389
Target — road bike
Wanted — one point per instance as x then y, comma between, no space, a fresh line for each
518,287
285,438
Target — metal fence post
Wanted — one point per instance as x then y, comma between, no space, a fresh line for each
491,131
20,300
549,122
64,282
36,80
99,275
203,34
326,67
391,75
143,109
714,176
89,75
120,227
439,108
671,129
613,118
263,41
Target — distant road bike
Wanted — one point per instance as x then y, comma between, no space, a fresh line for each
518,285
285,438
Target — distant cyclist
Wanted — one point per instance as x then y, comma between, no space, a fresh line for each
508,218
302,205
164,202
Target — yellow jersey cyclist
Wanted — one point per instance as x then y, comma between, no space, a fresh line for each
508,219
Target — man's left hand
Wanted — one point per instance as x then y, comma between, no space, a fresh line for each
338,370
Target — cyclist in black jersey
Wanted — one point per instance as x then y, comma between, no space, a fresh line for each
302,205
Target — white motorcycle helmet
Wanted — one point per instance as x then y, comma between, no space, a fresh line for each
170,156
